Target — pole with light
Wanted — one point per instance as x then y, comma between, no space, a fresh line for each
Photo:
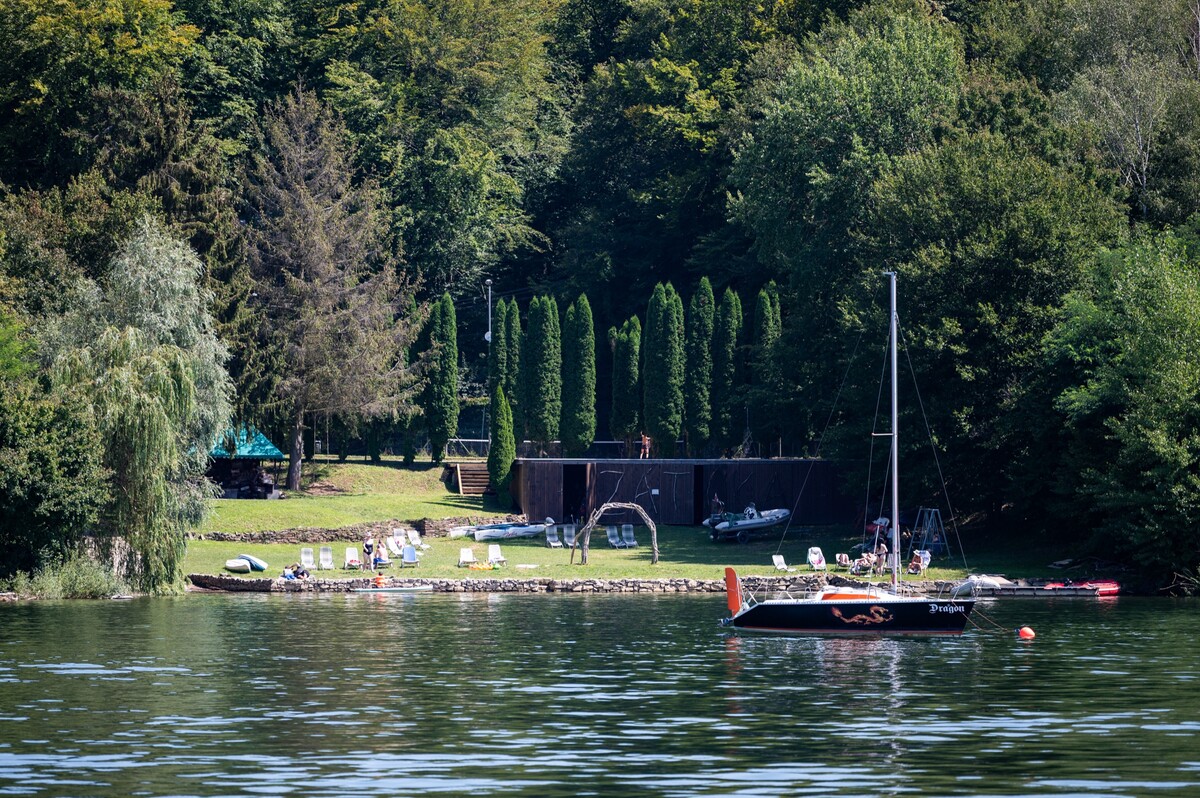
488,337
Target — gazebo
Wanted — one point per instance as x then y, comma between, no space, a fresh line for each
237,458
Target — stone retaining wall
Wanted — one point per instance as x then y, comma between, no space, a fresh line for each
498,584
428,527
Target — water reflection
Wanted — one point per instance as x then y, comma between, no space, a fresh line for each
584,695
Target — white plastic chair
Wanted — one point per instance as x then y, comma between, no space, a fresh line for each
352,562
494,555
306,559
627,536
780,564
415,539
466,556
325,563
614,540
569,535
408,557
394,547
816,558
552,539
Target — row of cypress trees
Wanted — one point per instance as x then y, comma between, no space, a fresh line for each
678,376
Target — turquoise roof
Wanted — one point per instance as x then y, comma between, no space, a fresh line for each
251,445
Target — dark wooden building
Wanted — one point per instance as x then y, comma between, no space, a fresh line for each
681,491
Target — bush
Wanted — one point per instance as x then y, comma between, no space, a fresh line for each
76,576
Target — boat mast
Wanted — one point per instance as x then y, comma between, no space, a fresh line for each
894,554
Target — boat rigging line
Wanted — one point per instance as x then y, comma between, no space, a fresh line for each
821,438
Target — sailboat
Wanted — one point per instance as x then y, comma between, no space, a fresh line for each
871,610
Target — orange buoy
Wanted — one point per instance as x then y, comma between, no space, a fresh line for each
1025,633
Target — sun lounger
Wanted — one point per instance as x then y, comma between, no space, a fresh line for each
552,539
393,546
816,558
415,539
306,559
408,557
466,556
352,562
325,563
614,540
843,560
569,535
494,555
627,536
780,564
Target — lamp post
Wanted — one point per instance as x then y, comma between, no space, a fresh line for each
488,338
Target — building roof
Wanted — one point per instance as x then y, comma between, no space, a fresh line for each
251,445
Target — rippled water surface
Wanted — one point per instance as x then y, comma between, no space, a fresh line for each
586,695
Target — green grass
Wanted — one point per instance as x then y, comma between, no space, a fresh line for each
685,552
340,494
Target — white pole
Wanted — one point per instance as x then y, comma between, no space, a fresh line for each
895,552
488,283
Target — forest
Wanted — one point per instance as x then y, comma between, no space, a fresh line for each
231,212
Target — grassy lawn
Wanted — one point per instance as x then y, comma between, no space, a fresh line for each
340,494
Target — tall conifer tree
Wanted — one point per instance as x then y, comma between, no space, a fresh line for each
624,421
764,376
542,372
662,377
441,406
578,427
512,370
503,449
698,379
727,327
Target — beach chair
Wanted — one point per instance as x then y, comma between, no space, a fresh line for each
843,560
816,558
325,561
352,562
306,559
920,561
414,538
380,558
552,537
780,564
627,536
569,535
614,540
466,556
494,555
864,564
408,557
394,546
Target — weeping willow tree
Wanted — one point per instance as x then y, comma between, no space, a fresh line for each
142,352
142,395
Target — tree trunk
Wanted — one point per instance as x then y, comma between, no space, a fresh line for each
297,453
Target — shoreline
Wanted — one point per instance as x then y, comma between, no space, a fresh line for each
220,583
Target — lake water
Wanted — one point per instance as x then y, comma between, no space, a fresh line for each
535,695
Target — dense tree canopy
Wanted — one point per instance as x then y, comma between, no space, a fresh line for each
337,167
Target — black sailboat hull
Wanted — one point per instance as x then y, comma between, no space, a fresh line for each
857,617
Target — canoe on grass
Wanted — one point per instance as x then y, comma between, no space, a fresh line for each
255,563
238,565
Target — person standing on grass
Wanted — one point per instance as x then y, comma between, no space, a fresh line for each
368,552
